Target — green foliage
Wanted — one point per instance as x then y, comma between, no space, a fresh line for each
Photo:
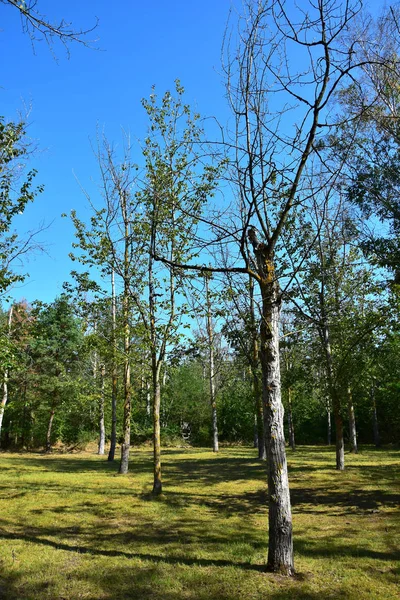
236,411
14,196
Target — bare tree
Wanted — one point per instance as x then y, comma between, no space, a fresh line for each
282,80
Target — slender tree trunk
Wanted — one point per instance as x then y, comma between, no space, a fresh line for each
352,422
157,485
329,424
4,399
257,392
334,397
113,443
255,431
148,399
213,403
292,442
49,430
375,424
280,547
126,443
258,398
102,429
339,442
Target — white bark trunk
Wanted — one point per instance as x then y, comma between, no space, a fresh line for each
213,401
102,429
6,374
113,442
280,546
352,423
329,424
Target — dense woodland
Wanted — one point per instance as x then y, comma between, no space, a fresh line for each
240,291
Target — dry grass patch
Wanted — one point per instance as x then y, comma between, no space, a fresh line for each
71,528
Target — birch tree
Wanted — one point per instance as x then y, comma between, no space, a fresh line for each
6,375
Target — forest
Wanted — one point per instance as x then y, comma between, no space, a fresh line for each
230,325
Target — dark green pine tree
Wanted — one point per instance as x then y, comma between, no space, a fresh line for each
56,349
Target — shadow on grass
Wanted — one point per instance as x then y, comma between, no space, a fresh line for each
151,582
176,560
67,464
207,472
364,500
328,548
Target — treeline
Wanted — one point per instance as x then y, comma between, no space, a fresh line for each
57,383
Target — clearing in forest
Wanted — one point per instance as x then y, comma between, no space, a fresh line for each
71,528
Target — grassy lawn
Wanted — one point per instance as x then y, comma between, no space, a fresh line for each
71,528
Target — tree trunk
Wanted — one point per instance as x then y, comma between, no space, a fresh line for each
292,442
49,429
280,547
157,485
4,399
102,429
126,442
334,396
255,431
261,441
113,443
375,424
339,441
213,402
329,424
257,393
352,423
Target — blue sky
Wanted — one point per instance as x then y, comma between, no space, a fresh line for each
140,44
67,99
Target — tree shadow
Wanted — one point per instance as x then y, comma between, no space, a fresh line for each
327,547
90,550
355,499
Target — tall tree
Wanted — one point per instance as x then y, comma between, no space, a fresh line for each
270,167
271,160
177,184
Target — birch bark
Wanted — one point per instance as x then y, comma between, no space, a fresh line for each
4,399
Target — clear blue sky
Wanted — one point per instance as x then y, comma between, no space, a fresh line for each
140,44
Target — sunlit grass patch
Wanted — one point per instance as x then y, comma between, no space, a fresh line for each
71,528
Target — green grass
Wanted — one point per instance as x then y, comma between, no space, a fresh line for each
70,528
